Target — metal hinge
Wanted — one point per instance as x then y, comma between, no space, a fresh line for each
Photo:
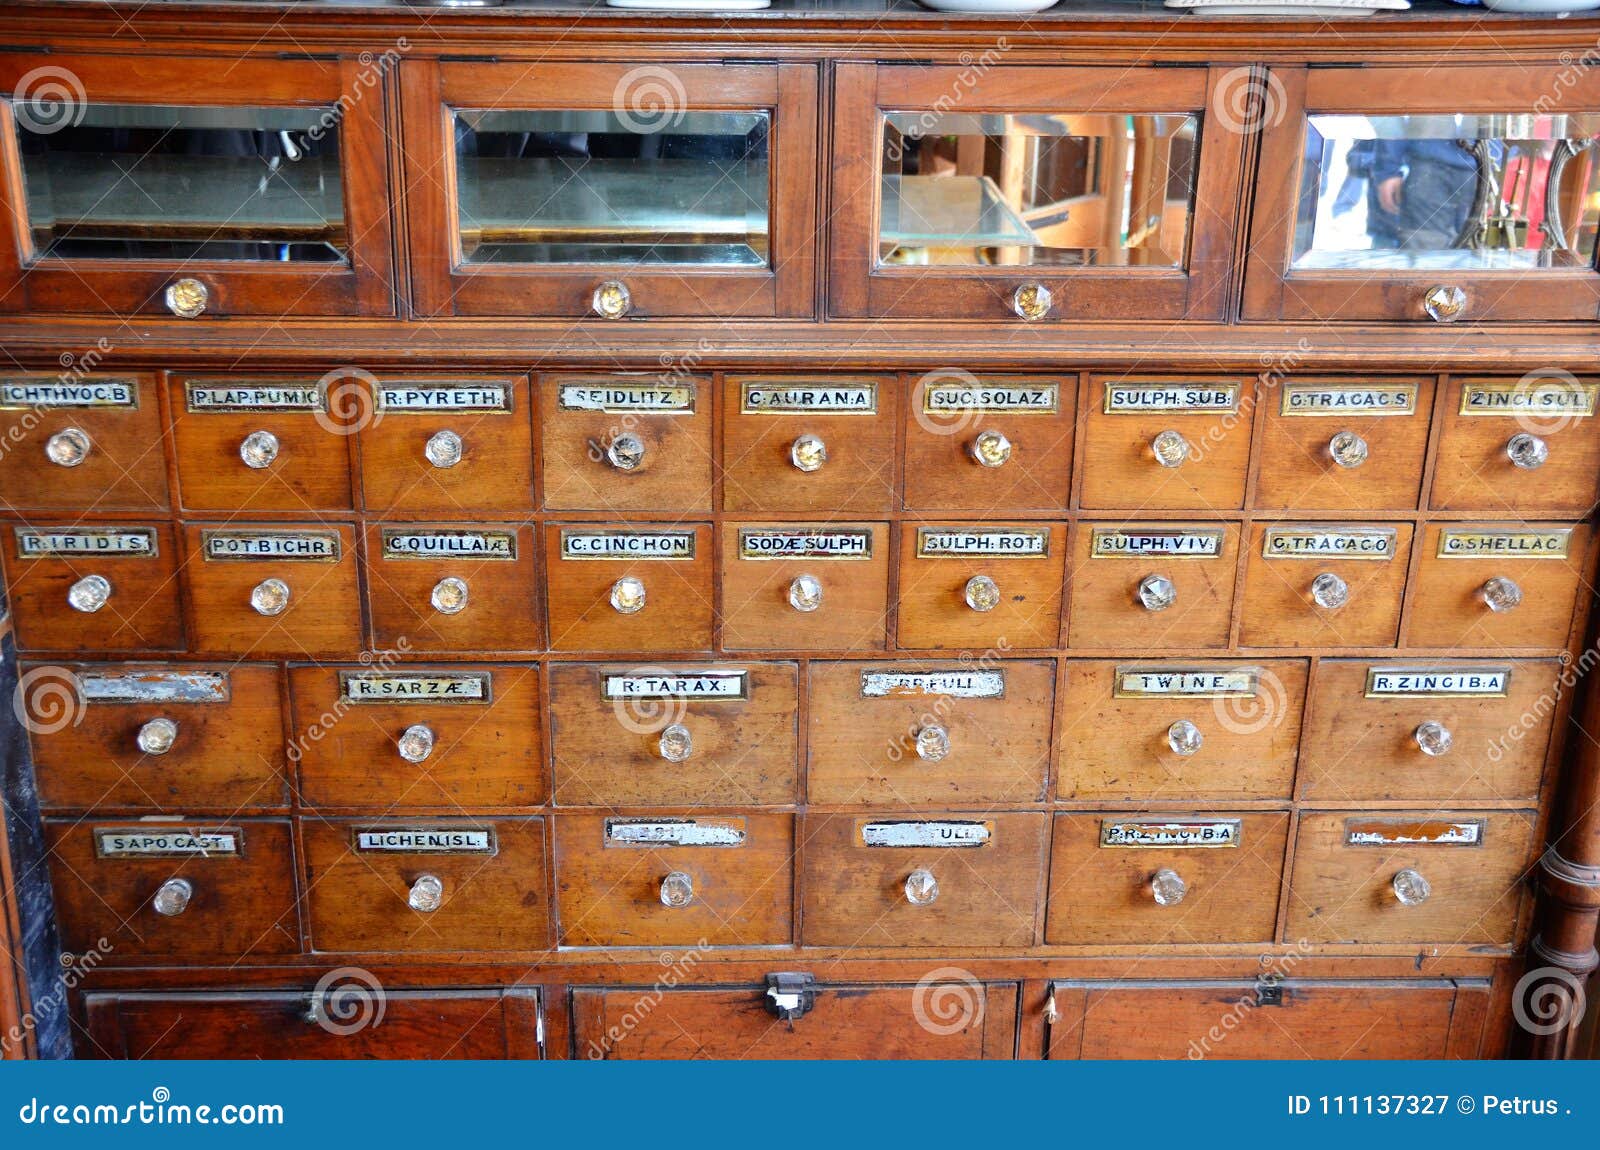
791,996
1269,991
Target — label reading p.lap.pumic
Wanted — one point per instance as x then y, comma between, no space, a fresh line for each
1346,399
798,397
1173,542
1504,543
623,397
1372,543
983,542
1180,398
581,543
221,397
1465,682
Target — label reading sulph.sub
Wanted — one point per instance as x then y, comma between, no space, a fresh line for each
989,543
1167,834
217,396
1371,832
777,397
443,395
1127,398
53,393
1438,682
580,544
425,840
138,542
399,543
302,546
1187,543
1506,543
946,398
804,543
148,842
1348,399
1188,682
1375,543
415,687
675,685
952,684
618,397
1546,398
927,834
675,832
154,686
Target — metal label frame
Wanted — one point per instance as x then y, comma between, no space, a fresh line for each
1371,692
146,685
209,535
1039,534
389,534
1408,390
147,533
570,533
1336,532
887,690
1446,534
486,678
55,381
810,553
234,833
736,828
490,849
891,834
318,403
1367,827
747,386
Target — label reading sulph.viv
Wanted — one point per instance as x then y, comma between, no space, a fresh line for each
776,397
154,686
137,842
216,396
1348,399
990,543
1545,398
139,542
1161,833
675,685
1458,543
1370,832
944,398
1438,682
16,393
1126,398
443,395
401,544
952,684
426,840
617,397
675,832
927,834
1377,543
579,544
304,546
1121,543
398,687
804,543
1189,682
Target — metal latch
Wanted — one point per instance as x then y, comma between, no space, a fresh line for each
791,996
1269,991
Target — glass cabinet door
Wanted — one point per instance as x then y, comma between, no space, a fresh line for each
614,192
1035,193
194,187
1435,195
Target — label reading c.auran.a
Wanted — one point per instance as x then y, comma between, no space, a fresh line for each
783,397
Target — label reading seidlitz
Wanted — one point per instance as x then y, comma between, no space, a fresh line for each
1126,398
579,544
675,832
946,398
425,840
1119,542
139,542
1438,682
926,834
804,543
675,685
952,684
1375,543
402,544
137,842
1371,832
1348,399
1190,682
990,543
15,393
1548,397
442,395
619,397
305,546
777,397
415,687
1168,834
1460,543
153,686
210,396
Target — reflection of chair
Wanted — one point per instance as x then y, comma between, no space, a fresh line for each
1555,233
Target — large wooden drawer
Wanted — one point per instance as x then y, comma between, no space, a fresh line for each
1166,442
626,442
1517,447
1324,584
89,441
790,586
1497,585
629,587
977,586
453,587
981,443
1152,586
94,587
1344,445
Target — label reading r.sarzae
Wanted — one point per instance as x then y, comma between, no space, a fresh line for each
927,833
415,686
176,842
425,840
1169,833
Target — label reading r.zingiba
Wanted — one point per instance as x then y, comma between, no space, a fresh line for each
1348,399
1154,395
399,543
782,397
1470,682
987,542
1375,543
1506,543
1127,542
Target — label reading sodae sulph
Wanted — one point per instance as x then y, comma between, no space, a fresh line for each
953,684
1128,398
618,397
1375,543
580,544
1438,682
780,397
415,687
1508,543
425,840
138,542
675,685
944,398
804,543
989,543
1168,834
1122,543
304,546
53,393
443,395
1189,682
402,544
1348,399
185,842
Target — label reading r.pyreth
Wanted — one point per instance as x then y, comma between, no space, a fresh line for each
1374,543
675,685
780,397
402,544
1506,543
804,543
617,397
443,395
302,546
1438,682
1169,834
946,398
1376,832
158,842
919,833
675,832
1545,398
1127,542
57,393
1194,398
1348,399
415,687
135,542
1189,682
581,544
952,684
989,543
425,840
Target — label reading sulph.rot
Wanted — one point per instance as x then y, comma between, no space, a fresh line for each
989,543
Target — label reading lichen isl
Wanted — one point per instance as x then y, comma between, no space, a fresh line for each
617,397
1348,399
1126,398
17,393
216,396
675,832
1438,682
1553,397
945,398
993,543
138,542
927,834
153,686
1160,833
1457,543
187,842
401,544
777,397
304,546
951,684
425,840
675,685
1376,543
1119,543
1369,832
804,543
1189,682
443,395
396,687
578,544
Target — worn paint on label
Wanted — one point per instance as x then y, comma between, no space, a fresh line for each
676,685
946,398
399,543
127,542
618,397
16,394
1438,682
579,544
1373,543
1190,682
778,397
219,397
294,546
922,833
1170,834
1465,543
1128,398
1123,543
416,687
1374,832
1316,399
148,842
675,832
425,840
1550,398
804,543
154,686
915,684
990,543
443,395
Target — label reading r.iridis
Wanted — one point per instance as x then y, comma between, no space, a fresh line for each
38,543
798,397
1343,399
1155,395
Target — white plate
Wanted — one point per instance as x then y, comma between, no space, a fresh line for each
693,5
993,5
1289,8
1545,6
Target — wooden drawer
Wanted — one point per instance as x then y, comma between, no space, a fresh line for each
81,441
767,422
1450,607
1125,418
626,442
929,733
990,442
1118,740
231,569
215,735
1293,1018
1367,565
453,445
669,880
1344,445
264,444
480,739
123,577
1348,865
1369,724
1112,561
974,586
1475,471
959,1019
764,568
227,887
368,880
1219,875
613,728
453,586
984,866
584,565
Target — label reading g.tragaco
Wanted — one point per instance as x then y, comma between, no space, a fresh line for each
304,546
618,397
1544,398
1128,398
1188,543
425,840
948,398
987,542
675,832
1189,682
1348,399
804,543
952,684
56,393
1438,682
443,395
1375,832
1170,834
402,544
777,397
135,542
154,686
415,687
580,544
675,685
147,842
1504,543
919,833
1375,543
215,396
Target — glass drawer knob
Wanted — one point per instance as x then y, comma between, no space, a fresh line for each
89,594
157,736
1184,737
805,593
173,897
68,447
933,743
1032,301
677,890
187,298
982,593
1527,451
1501,594
427,894
676,743
808,453
1411,888
1348,449
627,595
1171,448
1157,592
1167,887
921,887
625,452
270,597
259,449
991,449
449,595
1329,592
1445,303
443,449
611,300
416,743
1433,738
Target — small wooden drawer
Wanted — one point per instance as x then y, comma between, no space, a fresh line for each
426,885
626,442
1519,447
1476,731
1344,445
974,585
1462,871
450,737
841,428
453,586
844,1022
1531,571
94,587
1123,572
929,733
457,444
665,880
682,735
975,876
1136,731
629,588
816,587
991,442
1139,878
1324,584
1132,461
160,737
239,574
265,444
84,441
225,889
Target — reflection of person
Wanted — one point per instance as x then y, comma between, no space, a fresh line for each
1428,186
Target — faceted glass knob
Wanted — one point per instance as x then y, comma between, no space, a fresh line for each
808,453
443,449
625,452
933,743
611,300
982,593
1168,887
1348,449
921,887
677,890
427,894
1171,448
173,897
1329,592
1411,888
805,593
1527,451
1445,303
1157,592
89,594
449,595
157,736
270,597
627,595
416,743
1184,737
187,298
1032,301
259,449
991,449
1501,594
1433,738
676,743
68,447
